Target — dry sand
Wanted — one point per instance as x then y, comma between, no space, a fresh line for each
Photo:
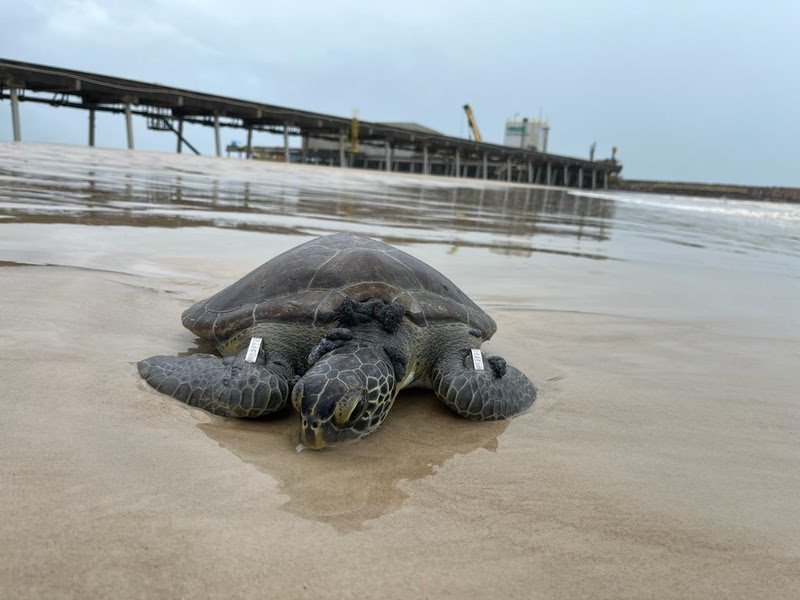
662,459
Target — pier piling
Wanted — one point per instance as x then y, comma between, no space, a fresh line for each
217,143
15,114
129,125
91,127
179,148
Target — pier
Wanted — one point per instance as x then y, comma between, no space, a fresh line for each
324,139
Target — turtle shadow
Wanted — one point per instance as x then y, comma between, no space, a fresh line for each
349,485
200,346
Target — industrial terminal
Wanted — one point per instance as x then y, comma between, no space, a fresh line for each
308,137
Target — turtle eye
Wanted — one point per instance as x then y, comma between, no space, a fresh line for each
349,408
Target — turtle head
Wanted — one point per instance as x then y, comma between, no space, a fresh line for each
345,395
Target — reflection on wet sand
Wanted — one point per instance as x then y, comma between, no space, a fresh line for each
507,219
349,485
517,215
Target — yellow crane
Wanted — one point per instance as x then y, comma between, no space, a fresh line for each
472,125
354,132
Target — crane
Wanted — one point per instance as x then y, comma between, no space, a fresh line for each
472,125
354,132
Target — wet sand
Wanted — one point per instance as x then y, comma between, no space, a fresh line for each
661,460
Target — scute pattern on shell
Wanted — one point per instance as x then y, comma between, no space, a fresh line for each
309,282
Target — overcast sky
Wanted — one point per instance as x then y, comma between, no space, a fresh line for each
688,90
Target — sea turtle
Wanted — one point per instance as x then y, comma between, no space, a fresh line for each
345,323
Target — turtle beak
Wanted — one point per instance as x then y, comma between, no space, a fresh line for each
311,434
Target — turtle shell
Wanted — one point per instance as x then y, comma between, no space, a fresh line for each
308,283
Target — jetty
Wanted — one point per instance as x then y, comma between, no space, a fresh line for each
324,139
712,190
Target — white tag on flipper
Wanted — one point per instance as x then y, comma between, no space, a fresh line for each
477,359
252,351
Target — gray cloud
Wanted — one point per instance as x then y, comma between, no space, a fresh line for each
690,91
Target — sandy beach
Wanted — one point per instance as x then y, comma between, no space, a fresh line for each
661,460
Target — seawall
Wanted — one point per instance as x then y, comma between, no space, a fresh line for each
718,190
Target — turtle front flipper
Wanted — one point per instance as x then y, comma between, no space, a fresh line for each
497,391
229,387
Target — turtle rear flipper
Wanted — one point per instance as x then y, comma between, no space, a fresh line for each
497,392
228,387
